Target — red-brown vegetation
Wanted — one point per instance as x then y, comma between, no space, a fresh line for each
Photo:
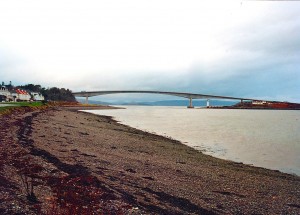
70,192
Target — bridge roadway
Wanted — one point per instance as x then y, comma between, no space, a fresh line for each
189,96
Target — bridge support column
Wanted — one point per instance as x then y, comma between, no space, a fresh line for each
207,103
191,103
86,100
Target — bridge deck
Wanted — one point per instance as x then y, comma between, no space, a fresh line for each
178,94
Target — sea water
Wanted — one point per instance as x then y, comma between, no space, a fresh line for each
264,138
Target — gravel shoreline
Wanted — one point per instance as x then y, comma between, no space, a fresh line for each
135,172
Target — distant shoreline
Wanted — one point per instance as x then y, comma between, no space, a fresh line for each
252,108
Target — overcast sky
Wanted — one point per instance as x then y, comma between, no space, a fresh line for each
234,48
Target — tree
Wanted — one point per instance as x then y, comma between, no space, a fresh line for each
31,87
52,94
57,94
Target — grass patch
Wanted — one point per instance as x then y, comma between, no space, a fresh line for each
24,104
5,108
33,105
13,105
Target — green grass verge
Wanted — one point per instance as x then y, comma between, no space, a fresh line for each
19,104
5,108
24,104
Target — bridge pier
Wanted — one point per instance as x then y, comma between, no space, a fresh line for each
86,100
207,103
191,103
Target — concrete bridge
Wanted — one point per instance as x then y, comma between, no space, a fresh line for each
189,96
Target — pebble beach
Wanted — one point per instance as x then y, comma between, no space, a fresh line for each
113,168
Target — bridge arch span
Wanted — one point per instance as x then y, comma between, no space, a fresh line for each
189,96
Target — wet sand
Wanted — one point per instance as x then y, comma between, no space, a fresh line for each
139,173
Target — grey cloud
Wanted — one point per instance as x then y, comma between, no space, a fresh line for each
278,31
249,78
262,59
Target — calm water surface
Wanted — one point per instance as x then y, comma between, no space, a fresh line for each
265,138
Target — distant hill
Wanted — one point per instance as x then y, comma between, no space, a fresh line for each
166,103
186,102
81,100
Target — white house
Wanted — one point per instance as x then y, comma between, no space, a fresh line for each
19,95
259,102
37,96
5,94
22,95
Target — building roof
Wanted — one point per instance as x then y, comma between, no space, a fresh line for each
23,92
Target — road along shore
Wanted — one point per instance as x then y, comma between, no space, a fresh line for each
83,163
